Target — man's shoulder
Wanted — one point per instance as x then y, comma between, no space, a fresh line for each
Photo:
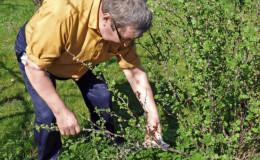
66,8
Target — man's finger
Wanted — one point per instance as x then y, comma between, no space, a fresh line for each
159,130
68,132
148,142
77,129
72,131
65,132
62,132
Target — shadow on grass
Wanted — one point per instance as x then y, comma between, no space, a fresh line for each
16,139
10,86
16,120
17,114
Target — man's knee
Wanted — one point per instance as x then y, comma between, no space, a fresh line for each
44,116
100,96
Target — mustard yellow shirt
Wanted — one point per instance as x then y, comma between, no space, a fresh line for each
71,25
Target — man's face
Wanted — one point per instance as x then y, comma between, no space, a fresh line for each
126,35
112,33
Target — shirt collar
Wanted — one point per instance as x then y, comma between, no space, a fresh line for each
94,17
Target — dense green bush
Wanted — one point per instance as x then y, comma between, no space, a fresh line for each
204,64
209,52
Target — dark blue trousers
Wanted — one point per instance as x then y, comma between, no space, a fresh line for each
94,92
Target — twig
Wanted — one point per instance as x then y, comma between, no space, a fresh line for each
95,125
127,106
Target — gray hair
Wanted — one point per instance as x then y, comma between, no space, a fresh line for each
129,12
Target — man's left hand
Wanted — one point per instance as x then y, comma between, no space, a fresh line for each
153,128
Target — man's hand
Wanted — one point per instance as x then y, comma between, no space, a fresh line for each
67,123
153,129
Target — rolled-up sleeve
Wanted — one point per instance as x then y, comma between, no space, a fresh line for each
128,58
45,38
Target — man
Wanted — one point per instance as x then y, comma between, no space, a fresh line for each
65,39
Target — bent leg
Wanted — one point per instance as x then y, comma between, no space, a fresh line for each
48,142
96,94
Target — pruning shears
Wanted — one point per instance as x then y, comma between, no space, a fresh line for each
159,142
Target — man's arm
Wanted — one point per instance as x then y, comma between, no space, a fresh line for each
141,87
66,120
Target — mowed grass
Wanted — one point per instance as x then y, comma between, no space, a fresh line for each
16,108
16,112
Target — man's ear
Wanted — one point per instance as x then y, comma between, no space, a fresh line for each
106,18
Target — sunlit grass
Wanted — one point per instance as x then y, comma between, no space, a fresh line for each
16,111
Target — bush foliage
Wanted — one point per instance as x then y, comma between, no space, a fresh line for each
204,64
208,50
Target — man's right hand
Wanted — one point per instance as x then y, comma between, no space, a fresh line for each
67,123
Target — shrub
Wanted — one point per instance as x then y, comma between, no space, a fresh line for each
208,51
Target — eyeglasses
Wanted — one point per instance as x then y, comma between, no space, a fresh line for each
121,38
118,34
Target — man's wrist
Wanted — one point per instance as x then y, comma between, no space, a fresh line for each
59,110
153,114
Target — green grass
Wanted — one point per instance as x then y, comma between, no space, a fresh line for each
16,112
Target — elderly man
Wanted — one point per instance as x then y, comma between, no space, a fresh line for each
65,39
